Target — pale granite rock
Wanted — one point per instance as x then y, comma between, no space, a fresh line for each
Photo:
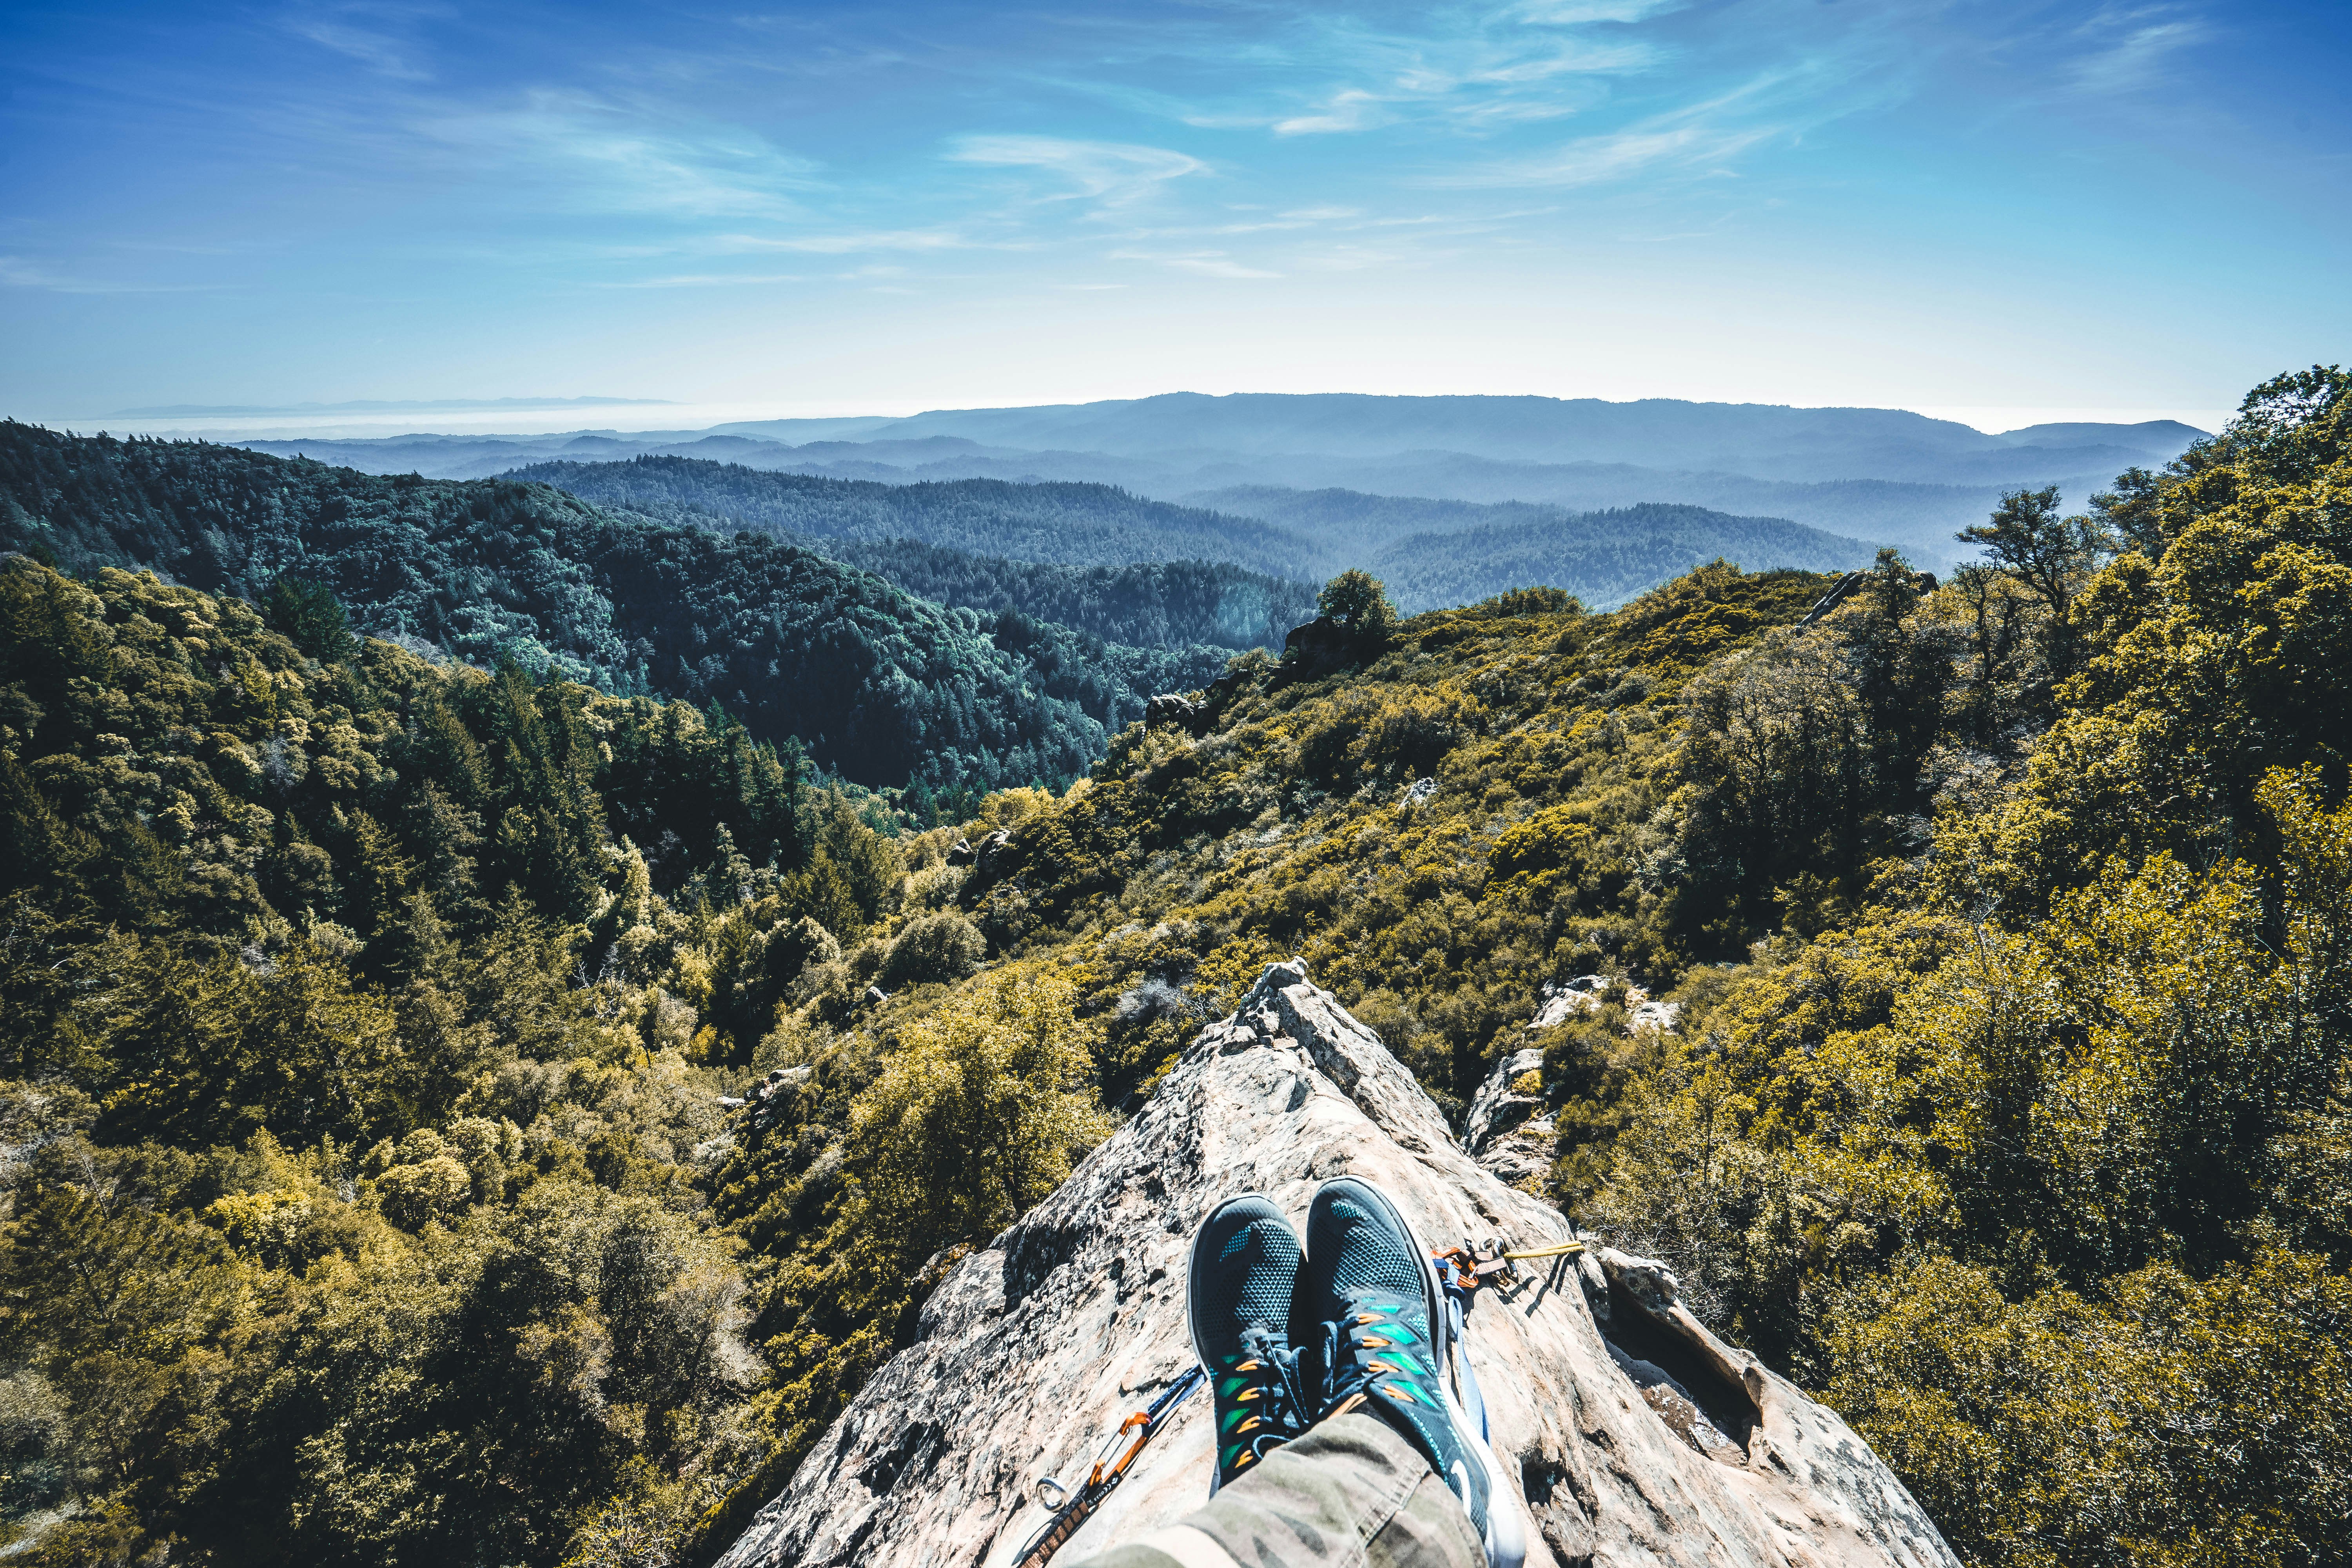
1506,1130
1656,1445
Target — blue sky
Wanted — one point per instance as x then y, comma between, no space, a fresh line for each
846,209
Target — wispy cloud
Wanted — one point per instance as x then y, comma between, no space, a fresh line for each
850,242
705,280
592,154
1572,13
1776,106
2134,49
1112,173
1347,258
1278,223
1336,75
1350,108
407,177
1594,160
366,33
17,272
1207,263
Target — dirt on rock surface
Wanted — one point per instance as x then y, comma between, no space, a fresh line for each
1637,1436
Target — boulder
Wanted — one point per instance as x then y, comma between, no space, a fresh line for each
995,853
1318,648
1653,1015
1567,999
770,1096
963,854
1632,1433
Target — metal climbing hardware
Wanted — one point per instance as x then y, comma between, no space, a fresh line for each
1074,1506
1475,1266
1465,1270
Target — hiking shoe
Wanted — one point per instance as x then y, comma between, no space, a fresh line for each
1237,1297
1371,1316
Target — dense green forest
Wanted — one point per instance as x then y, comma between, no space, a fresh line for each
369,1199
1157,603
879,687
1431,554
1063,524
1154,604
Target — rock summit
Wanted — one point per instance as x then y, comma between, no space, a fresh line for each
1636,1436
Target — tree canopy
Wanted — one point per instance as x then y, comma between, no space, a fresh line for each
876,686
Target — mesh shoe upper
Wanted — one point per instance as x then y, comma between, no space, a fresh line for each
1244,1262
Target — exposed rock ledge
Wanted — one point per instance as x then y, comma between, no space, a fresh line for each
1656,1444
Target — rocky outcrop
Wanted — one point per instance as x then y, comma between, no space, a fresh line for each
993,854
1636,1436
1171,710
1507,1133
1583,993
1318,648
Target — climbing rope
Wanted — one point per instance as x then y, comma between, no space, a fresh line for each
1464,1271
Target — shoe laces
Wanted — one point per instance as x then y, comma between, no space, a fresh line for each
1278,1403
1360,1353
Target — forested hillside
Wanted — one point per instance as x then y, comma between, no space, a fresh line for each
1604,558
1432,553
369,1199
1065,524
1158,604
877,686
1919,517
1436,553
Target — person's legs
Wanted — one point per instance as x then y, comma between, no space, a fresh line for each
1355,1455
1350,1492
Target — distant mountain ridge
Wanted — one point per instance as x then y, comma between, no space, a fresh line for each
1765,440
1431,553
377,406
1604,558
1068,524
1086,556
1864,473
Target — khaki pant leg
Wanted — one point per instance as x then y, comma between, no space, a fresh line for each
1348,1494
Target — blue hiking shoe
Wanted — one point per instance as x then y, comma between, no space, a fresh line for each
1237,1295
1370,1314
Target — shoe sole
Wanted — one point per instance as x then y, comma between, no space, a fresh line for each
1505,1542
1192,1331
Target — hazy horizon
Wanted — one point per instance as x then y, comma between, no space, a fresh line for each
488,418
2010,209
